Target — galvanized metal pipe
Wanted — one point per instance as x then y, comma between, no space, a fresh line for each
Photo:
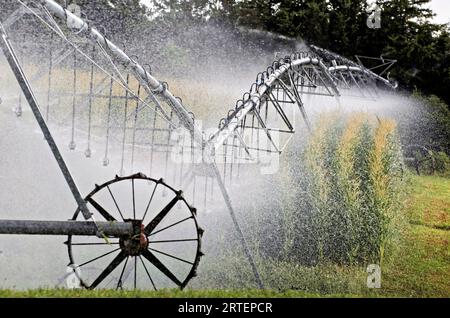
361,70
85,228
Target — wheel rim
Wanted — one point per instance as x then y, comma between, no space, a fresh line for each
166,253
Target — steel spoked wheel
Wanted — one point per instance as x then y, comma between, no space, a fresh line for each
165,253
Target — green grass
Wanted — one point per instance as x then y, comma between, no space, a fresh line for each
429,202
422,266
419,268
168,293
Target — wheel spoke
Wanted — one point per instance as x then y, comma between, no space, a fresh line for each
98,257
135,272
172,256
114,263
119,282
169,226
148,274
158,218
157,263
115,202
134,201
149,201
101,210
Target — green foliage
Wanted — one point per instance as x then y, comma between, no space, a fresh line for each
419,45
442,163
437,117
347,203
430,163
406,34
424,129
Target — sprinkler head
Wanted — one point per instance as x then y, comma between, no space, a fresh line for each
88,153
72,145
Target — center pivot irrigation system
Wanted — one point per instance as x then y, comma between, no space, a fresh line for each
136,231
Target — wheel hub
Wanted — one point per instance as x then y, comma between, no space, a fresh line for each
136,244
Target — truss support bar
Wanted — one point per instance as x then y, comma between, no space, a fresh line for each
241,236
328,75
300,104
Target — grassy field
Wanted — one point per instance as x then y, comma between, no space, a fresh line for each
251,293
421,267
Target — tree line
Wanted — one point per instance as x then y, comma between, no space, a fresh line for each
406,31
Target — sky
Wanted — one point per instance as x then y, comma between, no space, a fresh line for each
440,7
442,10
